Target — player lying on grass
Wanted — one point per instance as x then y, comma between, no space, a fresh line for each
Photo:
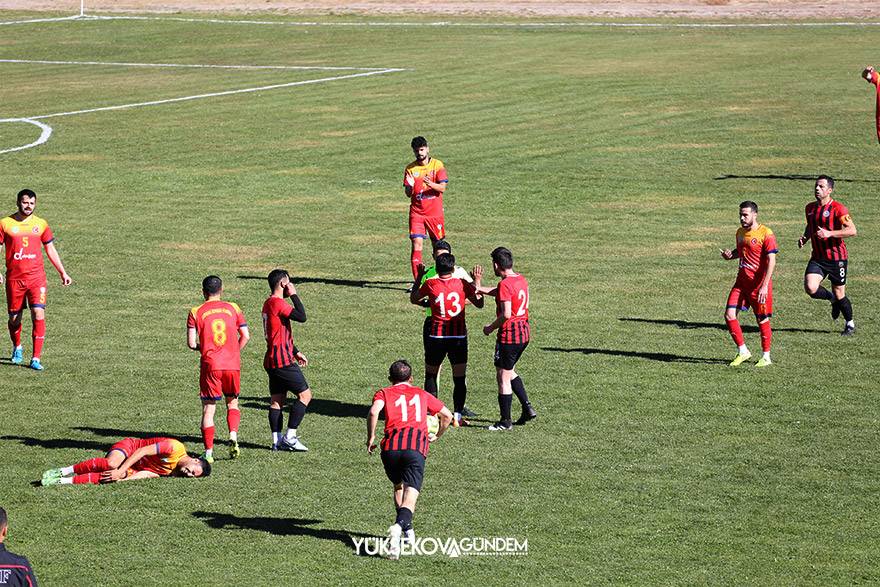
130,459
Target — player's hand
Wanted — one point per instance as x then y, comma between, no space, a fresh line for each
801,242
477,274
289,290
112,476
65,279
1,279
431,437
409,180
371,445
488,329
726,254
823,233
301,359
762,295
867,73
420,272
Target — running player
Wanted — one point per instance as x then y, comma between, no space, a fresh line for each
756,250
22,233
283,361
130,459
512,323
872,77
828,223
208,330
447,330
424,182
405,443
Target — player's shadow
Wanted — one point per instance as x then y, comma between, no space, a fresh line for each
119,434
685,325
359,283
280,527
662,357
54,443
324,407
790,177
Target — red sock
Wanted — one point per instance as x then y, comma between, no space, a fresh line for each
766,335
208,437
15,334
92,466
233,417
415,260
736,332
39,337
94,478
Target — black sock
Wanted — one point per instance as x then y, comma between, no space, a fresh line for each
504,402
459,393
845,308
822,294
431,383
520,390
404,518
276,419
297,413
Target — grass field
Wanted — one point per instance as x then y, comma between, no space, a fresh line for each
611,161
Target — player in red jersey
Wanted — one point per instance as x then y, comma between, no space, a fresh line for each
23,233
283,361
209,329
447,330
512,323
405,443
756,250
828,223
424,182
130,459
872,77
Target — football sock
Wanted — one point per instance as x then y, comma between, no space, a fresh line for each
504,402
94,478
404,518
15,334
459,392
431,383
822,294
276,438
766,355
276,419
39,336
67,471
291,433
297,413
415,260
89,466
208,438
845,308
766,335
520,390
233,418
736,332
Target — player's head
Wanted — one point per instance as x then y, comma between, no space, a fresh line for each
278,279
212,286
400,371
748,214
502,260
445,264
192,467
420,148
824,186
26,201
2,525
440,247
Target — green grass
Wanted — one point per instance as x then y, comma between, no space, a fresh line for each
596,155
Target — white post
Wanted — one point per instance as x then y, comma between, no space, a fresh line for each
82,7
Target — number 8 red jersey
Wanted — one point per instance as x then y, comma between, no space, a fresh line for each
514,289
217,324
406,416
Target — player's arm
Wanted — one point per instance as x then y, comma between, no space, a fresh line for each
804,238
119,473
867,73
416,295
244,335
437,186
372,420
298,312
768,276
55,259
729,254
504,316
192,338
848,229
140,475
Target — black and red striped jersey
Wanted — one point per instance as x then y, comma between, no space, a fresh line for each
514,289
447,296
831,216
277,315
406,416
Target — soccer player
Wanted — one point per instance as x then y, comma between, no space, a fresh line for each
209,329
131,459
828,223
756,250
872,77
15,570
424,182
283,361
22,233
405,443
512,323
447,330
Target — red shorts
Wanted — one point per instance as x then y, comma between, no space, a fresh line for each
32,289
424,226
216,384
745,295
126,446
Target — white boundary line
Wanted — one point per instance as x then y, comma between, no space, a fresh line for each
44,135
58,19
198,66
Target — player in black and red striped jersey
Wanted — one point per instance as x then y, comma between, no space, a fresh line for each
828,223
283,361
512,323
446,332
405,443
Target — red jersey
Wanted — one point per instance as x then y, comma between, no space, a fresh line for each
23,241
169,452
425,201
831,216
753,247
875,79
406,414
514,289
447,297
279,336
217,324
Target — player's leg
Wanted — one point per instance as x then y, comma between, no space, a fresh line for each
276,416
517,385
813,277
15,302
842,303
89,471
458,357
295,381
435,353
231,390
209,406
503,376
36,296
417,235
391,464
734,303
15,334
763,313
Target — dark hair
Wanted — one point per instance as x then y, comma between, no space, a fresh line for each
442,245
749,204
206,467
418,142
2,519
25,193
212,285
399,371
275,277
827,178
503,258
445,264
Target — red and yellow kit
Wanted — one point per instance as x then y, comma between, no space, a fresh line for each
217,324
168,452
23,241
754,247
514,289
406,410
831,216
426,205
875,79
447,297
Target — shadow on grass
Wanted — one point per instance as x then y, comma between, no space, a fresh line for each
662,357
361,283
324,407
54,443
684,325
119,434
791,177
280,527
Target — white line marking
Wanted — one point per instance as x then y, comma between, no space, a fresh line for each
44,135
197,66
59,19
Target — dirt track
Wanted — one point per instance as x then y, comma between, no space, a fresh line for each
703,9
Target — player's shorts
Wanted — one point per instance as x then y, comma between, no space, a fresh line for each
32,290
744,296
436,349
214,384
507,354
126,446
833,270
284,379
424,226
404,466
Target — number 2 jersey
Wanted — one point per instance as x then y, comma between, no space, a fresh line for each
406,416
447,297
217,324
24,240
514,289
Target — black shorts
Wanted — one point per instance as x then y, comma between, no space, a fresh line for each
289,378
436,349
404,466
833,270
506,355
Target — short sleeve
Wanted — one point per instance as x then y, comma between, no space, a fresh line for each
843,213
239,316
379,395
425,289
440,176
191,319
875,78
47,236
504,291
770,246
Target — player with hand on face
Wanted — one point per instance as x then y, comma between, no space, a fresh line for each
424,182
